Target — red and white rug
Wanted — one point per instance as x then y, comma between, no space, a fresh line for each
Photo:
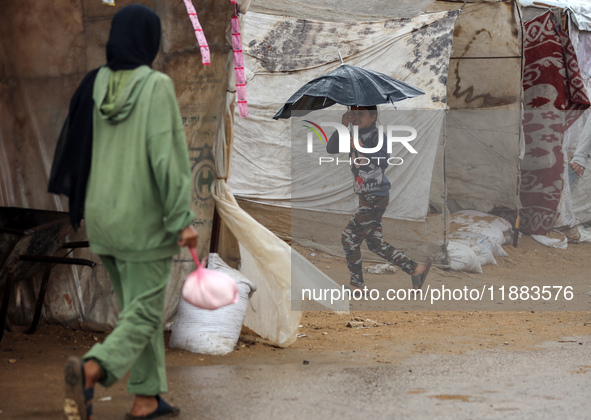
554,97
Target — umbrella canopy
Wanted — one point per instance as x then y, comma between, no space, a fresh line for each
348,85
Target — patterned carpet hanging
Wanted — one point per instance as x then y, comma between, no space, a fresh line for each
554,97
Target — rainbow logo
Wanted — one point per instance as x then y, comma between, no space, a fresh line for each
316,130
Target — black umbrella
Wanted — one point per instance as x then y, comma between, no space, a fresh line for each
348,85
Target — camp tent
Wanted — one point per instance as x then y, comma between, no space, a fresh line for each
478,78
484,139
281,54
45,50
484,95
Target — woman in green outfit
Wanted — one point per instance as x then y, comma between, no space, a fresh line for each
137,210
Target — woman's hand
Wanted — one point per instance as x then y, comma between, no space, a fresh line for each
188,237
579,170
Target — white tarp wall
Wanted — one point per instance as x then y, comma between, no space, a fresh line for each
345,10
579,10
328,186
283,53
484,95
580,132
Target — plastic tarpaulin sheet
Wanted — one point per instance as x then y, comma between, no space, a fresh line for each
328,186
45,51
346,10
578,202
270,263
281,54
579,10
576,136
484,141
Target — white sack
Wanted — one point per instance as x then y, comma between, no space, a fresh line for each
481,229
483,252
585,234
212,332
560,243
462,258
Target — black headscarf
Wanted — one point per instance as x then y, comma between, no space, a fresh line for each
133,41
134,38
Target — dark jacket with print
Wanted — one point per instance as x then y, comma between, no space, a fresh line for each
369,174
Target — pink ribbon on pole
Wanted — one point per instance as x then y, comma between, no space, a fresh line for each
201,41
239,67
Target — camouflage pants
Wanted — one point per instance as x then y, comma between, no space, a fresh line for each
366,225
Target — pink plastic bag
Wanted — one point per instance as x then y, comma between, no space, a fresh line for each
209,289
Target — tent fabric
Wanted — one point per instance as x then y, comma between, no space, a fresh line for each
583,49
579,10
552,85
346,11
575,136
266,260
573,207
484,94
329,187
46,49
580,192
282,54
580,132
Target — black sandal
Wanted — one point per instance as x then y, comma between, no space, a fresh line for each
163,410
419,279
77,403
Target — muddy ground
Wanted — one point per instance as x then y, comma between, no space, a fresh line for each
31,365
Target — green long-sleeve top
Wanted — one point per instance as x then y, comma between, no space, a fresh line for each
139,190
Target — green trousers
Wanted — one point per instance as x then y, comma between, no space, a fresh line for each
137,342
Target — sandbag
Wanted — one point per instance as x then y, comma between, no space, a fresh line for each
560,243
483,252
462,258
585,234
216,331
479,239
481,229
